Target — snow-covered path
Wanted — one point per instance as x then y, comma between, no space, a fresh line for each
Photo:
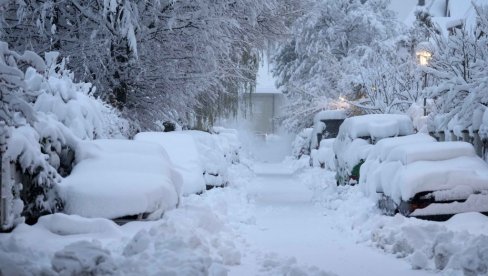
289,224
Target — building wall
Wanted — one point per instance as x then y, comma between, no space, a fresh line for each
263,109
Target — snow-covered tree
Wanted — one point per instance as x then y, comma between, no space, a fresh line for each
312,66
154,60
458,72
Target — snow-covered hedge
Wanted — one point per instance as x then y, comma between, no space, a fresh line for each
46,114
301,144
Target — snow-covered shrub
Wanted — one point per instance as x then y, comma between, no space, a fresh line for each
46,114
301,144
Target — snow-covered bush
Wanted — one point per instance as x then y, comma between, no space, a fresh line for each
457,76
301,144
46,114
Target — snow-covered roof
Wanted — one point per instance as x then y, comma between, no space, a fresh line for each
265,82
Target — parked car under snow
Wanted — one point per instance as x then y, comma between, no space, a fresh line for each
183,153
356,137
119,179
419,177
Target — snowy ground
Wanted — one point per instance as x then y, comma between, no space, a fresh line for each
276,219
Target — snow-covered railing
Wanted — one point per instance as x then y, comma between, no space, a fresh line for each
473,137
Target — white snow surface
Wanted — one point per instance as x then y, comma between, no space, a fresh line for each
401,167
377,126
288,219
330,115
350,147
116,178
212,157
407,154
183,153
324,156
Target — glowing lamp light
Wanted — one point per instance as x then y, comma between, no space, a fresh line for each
423,57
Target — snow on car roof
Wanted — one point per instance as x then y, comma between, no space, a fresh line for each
425,176
377,125
115,178
382,149
330,115
408,153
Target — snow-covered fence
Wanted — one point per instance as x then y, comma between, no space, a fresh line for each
479,143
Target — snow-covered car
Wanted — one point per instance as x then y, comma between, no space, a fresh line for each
120,178
419,177
356,137
183,153
326,125
212,156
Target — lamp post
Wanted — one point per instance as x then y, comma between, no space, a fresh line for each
423,57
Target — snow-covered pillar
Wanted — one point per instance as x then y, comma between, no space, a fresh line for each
5,180
478,144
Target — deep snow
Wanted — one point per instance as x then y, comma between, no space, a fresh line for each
274,219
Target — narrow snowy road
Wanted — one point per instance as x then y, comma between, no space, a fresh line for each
289,224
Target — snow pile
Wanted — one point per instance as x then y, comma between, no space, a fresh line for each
196,239
458,246
117,178
434,246
212,158
183,153
324,157
356,135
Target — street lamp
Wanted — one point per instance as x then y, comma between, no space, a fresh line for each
423,58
